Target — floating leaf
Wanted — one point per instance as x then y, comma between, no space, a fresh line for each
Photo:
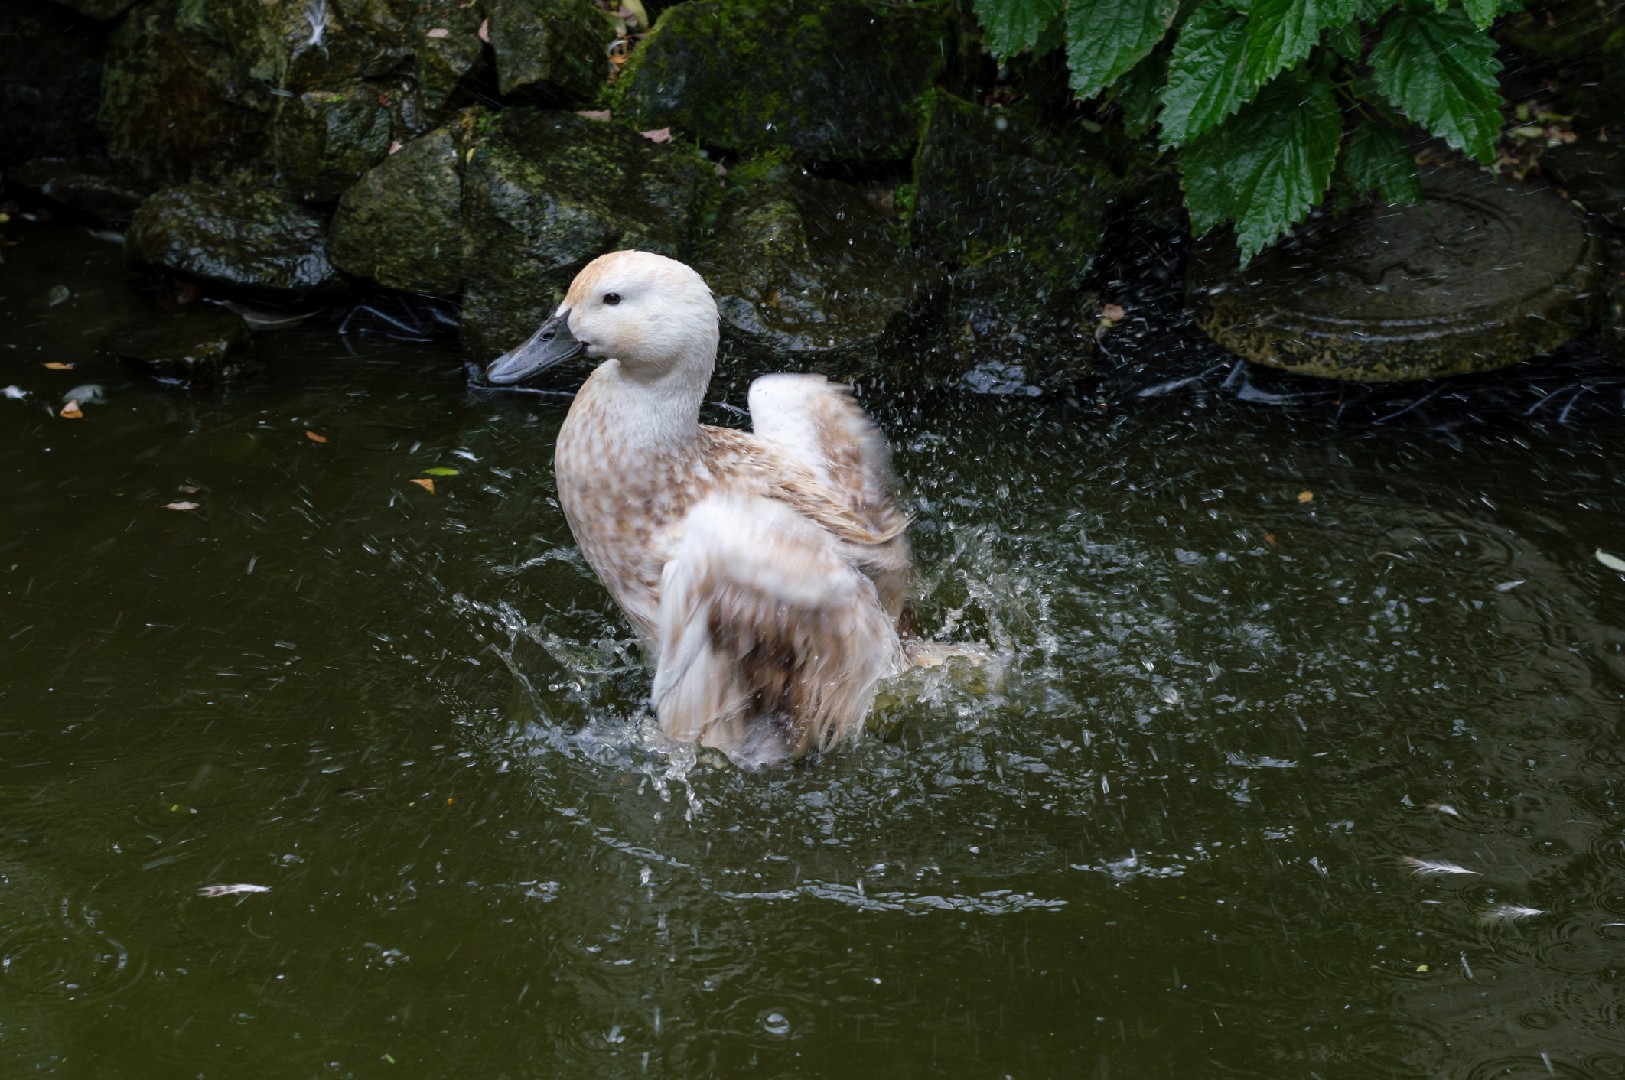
425,483
181,505
442,470
57,365
1306,496
71,411
1613,562
313,437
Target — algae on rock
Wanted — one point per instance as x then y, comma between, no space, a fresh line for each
246,237
829,81
401,224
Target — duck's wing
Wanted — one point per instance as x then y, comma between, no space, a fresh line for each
818,425
770,641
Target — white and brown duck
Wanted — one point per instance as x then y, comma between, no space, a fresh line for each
764,571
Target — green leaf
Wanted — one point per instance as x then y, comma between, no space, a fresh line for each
1207,78
1266,167
1104,38
1484,12
1013,26
1375,158
1439,69
1137,94
442,470
1280,33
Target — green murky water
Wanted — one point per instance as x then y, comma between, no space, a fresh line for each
1161,833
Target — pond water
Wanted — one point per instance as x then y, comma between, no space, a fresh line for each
1245,665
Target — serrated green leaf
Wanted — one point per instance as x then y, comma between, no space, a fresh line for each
1207,79
1375,158
1280,33
1485,12
1137,94
1105,38
1267,166
1439,69
1013,26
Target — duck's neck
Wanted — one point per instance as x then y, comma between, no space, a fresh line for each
647,417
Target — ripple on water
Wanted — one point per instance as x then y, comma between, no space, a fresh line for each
55,945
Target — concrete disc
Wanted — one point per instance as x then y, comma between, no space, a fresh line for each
1483,274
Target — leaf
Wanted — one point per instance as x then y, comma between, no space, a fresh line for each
181,505
425,483
1137,94
71,411
313,437
442,470
1439,70
1206,74
57,365
1013,26
1484,12
1375,158
658,135
1105,38
1613,562
1266,167
438,32
1281,33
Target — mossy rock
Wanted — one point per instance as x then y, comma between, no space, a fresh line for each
546,192
246,238
89,185
829,81
553,51
401,224
50,74
174,107
808,274
100,10
191,345
324,140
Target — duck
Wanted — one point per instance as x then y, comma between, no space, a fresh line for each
765,571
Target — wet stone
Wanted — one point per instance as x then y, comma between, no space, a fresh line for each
828,81
1481,276
401,224
240,237
89,186
1593,174
191,345
549,50
808,273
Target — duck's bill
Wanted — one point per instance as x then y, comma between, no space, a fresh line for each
550,345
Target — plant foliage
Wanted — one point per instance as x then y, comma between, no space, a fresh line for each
1274,104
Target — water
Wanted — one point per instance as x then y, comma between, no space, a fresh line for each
1243,661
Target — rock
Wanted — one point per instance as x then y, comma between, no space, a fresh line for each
172,106
1017,206
808,274
324,140
1483,275
829,81
51,62
100,10
550,50
189,345
544,193
402,224
252,238
1593,174
88,185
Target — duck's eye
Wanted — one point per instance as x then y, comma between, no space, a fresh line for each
612,298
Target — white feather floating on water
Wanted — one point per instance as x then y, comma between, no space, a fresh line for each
1501,913
1613,562
232,890
1432,867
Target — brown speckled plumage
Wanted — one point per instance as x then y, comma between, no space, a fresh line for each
765,571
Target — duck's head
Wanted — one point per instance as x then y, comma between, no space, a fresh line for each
653,314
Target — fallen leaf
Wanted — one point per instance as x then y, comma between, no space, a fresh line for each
71,411
1269,538
313,437
601,115
1114,312
1306,496
658,135
57,365
439,32
395,146
442,470
190,489
485,31
1613,562
425,483
182,506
